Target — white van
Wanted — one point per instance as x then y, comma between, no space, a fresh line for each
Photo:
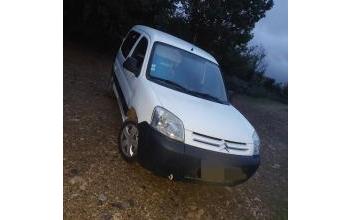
178,121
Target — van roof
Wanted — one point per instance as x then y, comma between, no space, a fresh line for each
156,35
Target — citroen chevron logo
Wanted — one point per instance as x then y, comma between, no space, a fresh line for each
225,147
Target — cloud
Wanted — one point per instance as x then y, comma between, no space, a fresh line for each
271,33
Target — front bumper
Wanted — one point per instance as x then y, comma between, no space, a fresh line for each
166,156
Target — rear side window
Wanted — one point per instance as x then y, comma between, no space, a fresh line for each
129,42
139,52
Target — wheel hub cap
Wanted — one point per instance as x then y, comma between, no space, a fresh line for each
129,140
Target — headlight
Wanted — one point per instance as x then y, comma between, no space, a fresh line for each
256,143
168,124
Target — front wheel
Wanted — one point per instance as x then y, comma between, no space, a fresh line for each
128,141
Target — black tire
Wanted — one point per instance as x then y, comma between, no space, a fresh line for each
128,146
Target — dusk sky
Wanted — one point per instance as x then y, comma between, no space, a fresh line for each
271,33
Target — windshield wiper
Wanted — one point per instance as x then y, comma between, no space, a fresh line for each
172,83
206,96
191,92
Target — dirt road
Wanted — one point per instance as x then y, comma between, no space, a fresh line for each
99,184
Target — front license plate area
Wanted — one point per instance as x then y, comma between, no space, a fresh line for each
219,173
212,171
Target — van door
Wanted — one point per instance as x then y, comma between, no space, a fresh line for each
138,53
124,52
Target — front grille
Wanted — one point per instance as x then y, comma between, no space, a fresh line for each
218,143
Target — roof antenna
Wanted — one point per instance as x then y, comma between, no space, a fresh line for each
192,49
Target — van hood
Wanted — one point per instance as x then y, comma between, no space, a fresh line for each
205,117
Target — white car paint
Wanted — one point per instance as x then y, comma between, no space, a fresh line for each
198,115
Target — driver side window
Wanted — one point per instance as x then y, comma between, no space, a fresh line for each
128,43
139,53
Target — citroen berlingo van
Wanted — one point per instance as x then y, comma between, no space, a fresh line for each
177,118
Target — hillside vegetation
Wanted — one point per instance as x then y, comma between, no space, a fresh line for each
223,28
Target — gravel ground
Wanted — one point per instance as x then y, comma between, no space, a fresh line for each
99,184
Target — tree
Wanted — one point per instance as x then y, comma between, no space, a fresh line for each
107,21
223,27
269,83
256,56
285,90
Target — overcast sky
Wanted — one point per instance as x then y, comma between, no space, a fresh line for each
271,33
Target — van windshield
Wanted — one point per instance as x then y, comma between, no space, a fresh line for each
186,72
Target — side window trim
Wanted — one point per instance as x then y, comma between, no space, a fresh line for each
132,48
146,59
135,45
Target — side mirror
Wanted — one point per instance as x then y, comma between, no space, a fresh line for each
131,64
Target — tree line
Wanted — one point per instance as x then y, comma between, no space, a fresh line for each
221,27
